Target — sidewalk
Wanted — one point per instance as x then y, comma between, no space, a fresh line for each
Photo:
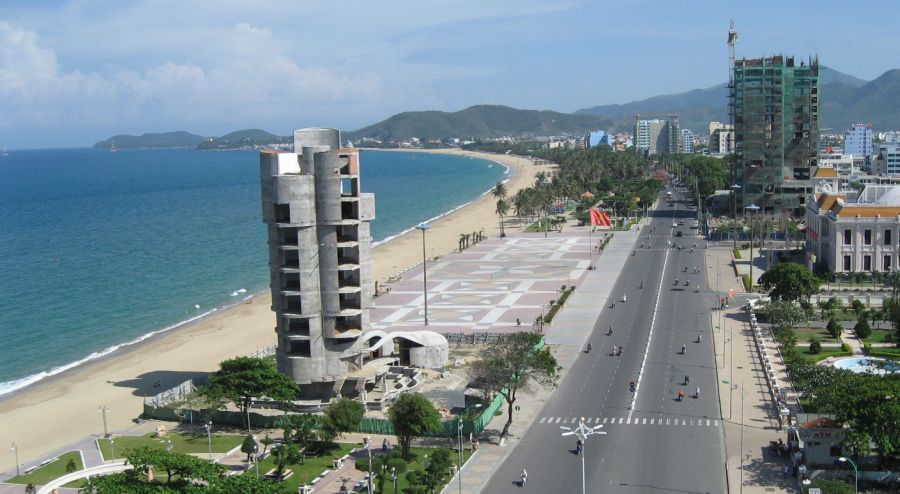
750,418
567,335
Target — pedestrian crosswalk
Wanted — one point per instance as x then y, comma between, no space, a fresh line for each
654,421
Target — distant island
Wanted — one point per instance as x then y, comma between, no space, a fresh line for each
241,139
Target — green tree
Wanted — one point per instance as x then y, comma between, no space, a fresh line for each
248,446
502,210
241,379
71,466
243,484
862,328
815,346
857,306
512,364
30,488
834,328
412,415
286,454
342,416
789,281
783,314
266,442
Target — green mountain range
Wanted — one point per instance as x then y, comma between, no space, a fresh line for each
243,138
845,100
479,121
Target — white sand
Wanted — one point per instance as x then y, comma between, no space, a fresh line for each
63,410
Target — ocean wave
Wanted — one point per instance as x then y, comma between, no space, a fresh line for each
10,386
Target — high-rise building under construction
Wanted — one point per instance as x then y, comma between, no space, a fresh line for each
776,126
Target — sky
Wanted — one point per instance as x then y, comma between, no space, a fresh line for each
76,72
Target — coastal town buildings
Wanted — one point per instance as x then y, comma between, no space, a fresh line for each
657,136
319,256
854,231
687,141
721,138
776,124
860,140
887,160
598,137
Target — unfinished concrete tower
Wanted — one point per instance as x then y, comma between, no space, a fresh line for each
319,257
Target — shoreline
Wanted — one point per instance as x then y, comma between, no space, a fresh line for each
9,389
197,345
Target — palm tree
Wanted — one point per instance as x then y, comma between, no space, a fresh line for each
500,191
286,454
502,209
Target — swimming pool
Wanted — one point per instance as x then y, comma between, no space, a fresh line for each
868,365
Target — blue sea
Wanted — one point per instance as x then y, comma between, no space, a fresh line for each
101,249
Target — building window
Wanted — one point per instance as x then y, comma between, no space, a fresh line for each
867,237
847,263
867,263
887,237
886,265
848,237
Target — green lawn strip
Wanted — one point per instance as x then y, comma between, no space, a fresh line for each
825,353
311,468
803,334
50,471
880,336
887,352
181,443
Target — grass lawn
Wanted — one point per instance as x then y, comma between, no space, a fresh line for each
51,471
310,469
880,336
825,353
803,334
887,352
181,443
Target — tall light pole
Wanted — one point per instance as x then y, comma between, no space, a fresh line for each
753,208
208,427
15,449
369,452
103,409
734,189
459,428
112,449
424,227
583,431
844,459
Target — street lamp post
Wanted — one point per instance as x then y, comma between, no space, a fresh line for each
369,452
208,427
735,188
844,459
394,478
459,430
112,449
753,208
582,432
15,449
424,227
103,409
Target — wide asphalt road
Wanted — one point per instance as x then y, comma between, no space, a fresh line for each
653,443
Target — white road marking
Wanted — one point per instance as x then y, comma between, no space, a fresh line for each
637,390
605,419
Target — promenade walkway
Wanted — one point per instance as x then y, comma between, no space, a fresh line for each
750,416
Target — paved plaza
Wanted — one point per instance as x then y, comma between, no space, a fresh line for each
496,286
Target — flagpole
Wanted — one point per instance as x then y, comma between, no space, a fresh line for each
591,241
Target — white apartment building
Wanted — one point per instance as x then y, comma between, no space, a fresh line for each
687,141
854,232
860,140
721,138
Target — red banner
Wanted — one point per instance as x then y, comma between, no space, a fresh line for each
599,218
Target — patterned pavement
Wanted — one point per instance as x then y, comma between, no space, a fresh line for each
489,286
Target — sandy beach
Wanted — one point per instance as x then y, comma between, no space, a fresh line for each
63,409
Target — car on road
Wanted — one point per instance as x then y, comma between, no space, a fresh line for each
681,222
